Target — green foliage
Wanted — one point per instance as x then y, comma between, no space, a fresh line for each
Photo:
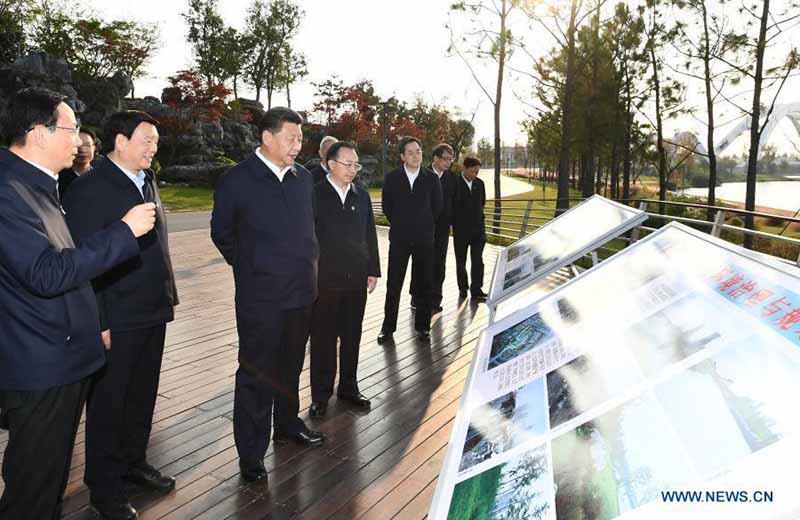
14,16
269,32
94,48
220,51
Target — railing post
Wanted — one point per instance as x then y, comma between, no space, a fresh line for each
719,221
595,259
635,232
525,218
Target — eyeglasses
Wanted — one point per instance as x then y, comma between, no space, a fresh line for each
73,130
350,166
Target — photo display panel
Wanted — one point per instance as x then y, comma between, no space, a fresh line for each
560,242
671,367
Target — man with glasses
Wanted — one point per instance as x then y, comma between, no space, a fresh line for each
136,301
82,163
50,342
442,159
412,200
349,267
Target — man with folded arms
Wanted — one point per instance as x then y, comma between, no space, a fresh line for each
50,343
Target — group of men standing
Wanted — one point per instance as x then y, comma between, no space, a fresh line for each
86,290
87,287
422,206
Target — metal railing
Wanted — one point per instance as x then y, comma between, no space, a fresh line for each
519,217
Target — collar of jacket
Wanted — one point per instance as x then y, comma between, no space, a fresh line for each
261,166
119,177
25,171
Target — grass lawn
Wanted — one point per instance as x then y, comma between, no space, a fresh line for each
185,198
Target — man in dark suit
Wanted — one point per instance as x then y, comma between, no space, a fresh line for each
320,171
469,229
442,159
50,342
82,163
263,224
349,266
412,200
135,301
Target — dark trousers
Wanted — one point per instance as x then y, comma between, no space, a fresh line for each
41,434
441,241
422,258
337,314
475,244
119,412
272,344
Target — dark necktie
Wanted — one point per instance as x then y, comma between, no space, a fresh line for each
147,190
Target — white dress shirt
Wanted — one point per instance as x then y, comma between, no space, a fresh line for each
136,178
469,183
412,176
279,173
342,193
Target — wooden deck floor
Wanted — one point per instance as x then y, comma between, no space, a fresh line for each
379,465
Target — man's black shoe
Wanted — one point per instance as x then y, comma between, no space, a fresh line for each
307,438
253,472
384,337
424,335
437,309
479,296
462,293
113,508
318,409
357,401
149,477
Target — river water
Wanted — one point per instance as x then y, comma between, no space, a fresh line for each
772,194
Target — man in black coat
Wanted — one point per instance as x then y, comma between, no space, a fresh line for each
442,159
263,224
469,229
320,171
82,163
50,342
412,201
349,266
135,301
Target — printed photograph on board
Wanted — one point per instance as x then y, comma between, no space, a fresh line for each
521,488
505,423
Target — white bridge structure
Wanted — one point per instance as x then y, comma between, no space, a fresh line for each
790,111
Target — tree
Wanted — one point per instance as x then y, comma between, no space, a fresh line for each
493,44
95,49
269,31
666,93
766,75
14,16
294,67
136,45
192,99
704,49
220,51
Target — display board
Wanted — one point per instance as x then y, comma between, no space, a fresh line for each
560,242
672,366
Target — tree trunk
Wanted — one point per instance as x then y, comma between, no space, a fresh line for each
562,203
588,185
662,159
626,147
712,156
755,130
501,62
288,96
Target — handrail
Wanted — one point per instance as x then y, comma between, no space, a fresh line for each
518,216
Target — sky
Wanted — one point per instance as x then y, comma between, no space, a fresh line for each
400,45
